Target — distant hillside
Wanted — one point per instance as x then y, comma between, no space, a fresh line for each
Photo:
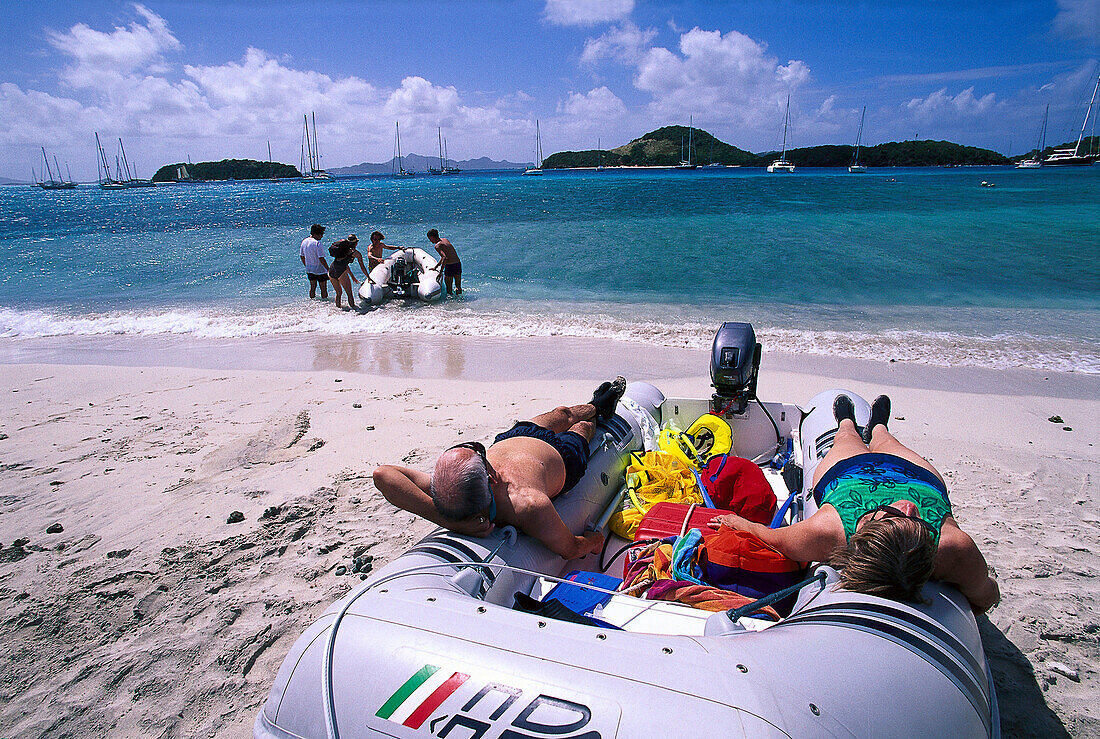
418,163
663,148
228,169
892,154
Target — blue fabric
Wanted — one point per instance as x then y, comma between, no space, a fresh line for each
684,560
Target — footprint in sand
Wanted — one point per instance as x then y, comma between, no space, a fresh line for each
281,439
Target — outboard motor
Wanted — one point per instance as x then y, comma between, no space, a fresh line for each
399,274
734,366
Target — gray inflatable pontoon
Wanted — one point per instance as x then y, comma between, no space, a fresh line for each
430,646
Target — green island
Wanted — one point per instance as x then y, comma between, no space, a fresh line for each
226,169
663,148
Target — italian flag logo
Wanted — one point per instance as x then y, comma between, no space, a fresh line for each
421,694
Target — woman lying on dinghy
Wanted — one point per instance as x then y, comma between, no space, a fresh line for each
885,519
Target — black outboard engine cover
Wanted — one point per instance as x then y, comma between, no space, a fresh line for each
734,365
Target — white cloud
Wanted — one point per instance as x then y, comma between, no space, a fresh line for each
939,102
123,84
599,104
726,75
586,12
97,54
1078,19
624,44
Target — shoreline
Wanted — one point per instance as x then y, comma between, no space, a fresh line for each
490,359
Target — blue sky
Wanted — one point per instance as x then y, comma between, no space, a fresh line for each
211,80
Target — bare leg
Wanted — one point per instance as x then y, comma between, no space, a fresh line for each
324,289
847,443
345,280
883,442
312,289
449,281
458,284
336,287
565,418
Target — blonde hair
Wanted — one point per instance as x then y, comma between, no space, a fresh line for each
889,557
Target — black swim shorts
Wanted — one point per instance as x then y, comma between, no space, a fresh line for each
454,269
570,445
317,278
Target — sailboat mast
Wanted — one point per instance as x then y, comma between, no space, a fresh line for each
538,145
859,134
691,137
439,132
316,151
47,161
57,166
309,146
1085,122
125,163
786,120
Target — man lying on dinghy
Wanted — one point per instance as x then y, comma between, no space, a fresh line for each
514,481
885,519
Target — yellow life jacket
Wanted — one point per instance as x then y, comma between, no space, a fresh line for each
652,477
711,436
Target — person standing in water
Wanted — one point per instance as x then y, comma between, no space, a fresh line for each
448,262
374,251
313,259
344,252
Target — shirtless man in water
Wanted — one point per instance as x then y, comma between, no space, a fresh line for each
513,482
448,262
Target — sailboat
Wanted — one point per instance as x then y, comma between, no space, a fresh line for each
537,169
1073,157
447,168
433,170
51,183
685,162
1036,161
311,155
599,155
855,167
781,164
397,161
123,177
131,180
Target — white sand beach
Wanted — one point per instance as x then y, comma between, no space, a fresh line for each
148,613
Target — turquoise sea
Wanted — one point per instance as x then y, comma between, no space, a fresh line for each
919,265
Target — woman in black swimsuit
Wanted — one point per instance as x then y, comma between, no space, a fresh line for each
343,253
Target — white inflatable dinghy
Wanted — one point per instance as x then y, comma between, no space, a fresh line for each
430,645
407,273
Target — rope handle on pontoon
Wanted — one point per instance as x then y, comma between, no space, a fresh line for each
756,605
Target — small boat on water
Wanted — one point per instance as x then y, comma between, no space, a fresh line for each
433,644
685,161
536,171
781,164
1037,161
53,183
398,162
123,178
855,167
311,155
407,273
